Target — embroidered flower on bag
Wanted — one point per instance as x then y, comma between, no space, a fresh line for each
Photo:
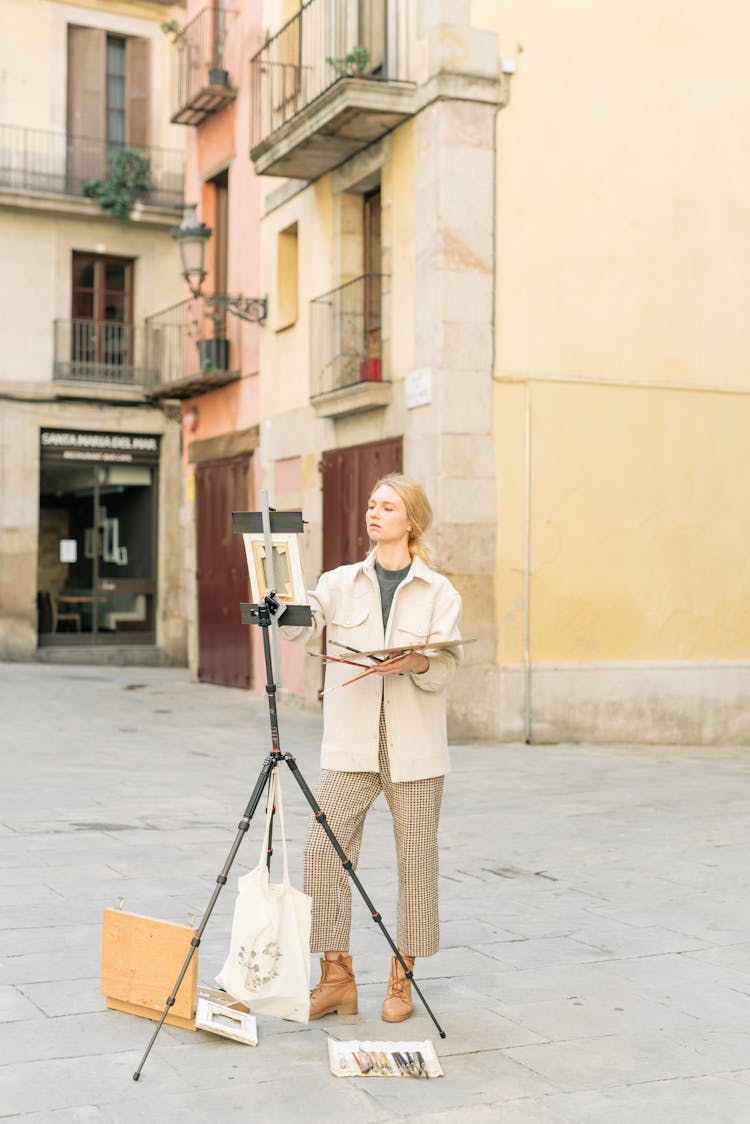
262,965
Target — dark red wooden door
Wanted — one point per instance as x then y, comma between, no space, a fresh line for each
348,477
221,487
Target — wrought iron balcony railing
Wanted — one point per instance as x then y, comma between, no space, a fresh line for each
200,79
60,163
99,351
346,345
193,346
325,42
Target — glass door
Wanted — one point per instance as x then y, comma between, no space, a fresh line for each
126,584
97,553
66,576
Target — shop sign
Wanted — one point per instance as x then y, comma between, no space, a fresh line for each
98,448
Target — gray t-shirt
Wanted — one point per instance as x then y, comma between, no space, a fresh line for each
389,581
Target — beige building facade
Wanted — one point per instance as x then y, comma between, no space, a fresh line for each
553,205
90,484
382,355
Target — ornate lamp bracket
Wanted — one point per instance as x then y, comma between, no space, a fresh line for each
252,309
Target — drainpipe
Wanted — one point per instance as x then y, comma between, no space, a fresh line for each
508,69
527,563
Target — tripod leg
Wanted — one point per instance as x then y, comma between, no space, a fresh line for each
268,766
320,816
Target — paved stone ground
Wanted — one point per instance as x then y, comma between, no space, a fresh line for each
595,966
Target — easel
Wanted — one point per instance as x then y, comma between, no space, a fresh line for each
266,615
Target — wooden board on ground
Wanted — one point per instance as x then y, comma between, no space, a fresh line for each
141,959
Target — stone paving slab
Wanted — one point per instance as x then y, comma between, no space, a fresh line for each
721,1098
65,997
595,960
587,1063
15,1006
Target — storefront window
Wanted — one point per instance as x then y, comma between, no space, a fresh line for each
97,538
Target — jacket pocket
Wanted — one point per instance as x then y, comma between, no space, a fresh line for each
349,616
411,628
351,626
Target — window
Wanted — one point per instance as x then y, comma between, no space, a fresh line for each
373,262
221,231
115,92
286,278
219,33
102,311
108,98
102,288
372,33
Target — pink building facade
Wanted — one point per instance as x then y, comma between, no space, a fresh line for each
215,363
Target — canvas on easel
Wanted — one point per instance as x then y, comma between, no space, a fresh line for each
288,580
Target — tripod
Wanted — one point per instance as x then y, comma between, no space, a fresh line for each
264,615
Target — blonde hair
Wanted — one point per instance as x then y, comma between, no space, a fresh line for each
418,511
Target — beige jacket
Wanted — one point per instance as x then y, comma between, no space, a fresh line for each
346,602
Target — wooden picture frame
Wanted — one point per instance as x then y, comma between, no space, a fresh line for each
225,1017
290,582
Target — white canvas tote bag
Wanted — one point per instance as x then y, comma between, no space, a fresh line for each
268,966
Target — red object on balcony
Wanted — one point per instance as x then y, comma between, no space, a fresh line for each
369,370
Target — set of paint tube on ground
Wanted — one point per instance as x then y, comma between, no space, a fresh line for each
385,1063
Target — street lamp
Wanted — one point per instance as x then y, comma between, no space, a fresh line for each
191,237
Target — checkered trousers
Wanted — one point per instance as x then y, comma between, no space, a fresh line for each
346,798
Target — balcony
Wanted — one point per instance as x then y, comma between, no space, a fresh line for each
99,351
200,80
50,163
347,369
192,347
332,81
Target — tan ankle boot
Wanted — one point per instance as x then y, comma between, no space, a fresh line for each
397,1004
337,990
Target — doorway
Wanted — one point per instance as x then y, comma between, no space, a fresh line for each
221,487
348,477
96,577
101,326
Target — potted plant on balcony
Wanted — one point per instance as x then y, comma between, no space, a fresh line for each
213,352
218,76
126,179
370,368
173,28
352,65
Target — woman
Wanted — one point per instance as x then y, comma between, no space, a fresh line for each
385,733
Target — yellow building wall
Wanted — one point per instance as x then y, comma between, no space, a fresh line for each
638,513
399,202
285,348
622,291
285,358
622,190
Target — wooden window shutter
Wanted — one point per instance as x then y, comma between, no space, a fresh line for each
137,91
87,47
87,66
